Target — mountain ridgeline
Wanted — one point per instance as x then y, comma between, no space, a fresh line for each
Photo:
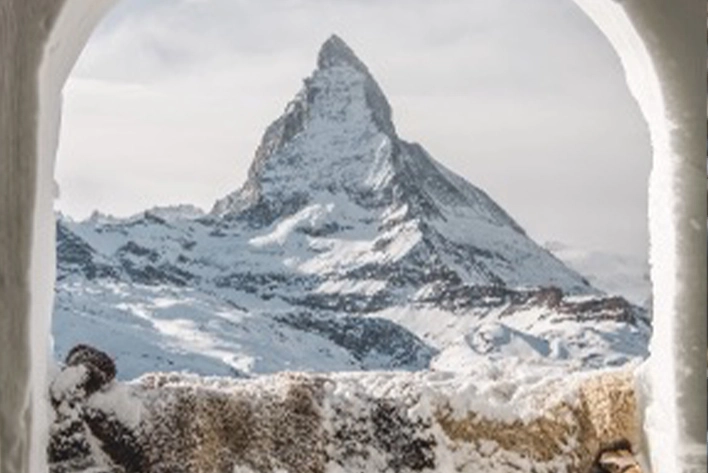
347,248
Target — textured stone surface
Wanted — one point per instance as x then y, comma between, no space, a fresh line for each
329,423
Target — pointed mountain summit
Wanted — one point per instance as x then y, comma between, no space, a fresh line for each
335,52
339,113
336,142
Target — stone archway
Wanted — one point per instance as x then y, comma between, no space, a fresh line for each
661,47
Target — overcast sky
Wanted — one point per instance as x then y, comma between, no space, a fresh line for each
523,98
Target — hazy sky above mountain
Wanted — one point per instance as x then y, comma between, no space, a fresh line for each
524,99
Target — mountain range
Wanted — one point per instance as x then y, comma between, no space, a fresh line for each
347,248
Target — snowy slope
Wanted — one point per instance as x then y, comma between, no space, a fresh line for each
335,154
346,249
148,328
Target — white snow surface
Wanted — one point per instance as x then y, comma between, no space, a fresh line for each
171,329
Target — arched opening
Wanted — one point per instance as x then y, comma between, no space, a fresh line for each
664,264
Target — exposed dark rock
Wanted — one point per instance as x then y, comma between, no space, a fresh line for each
378,343
616,457
406,444
118,442
264,283
602,308
68,442
75,256
144,266
87,371
150,275
329,228
133,249
344,303
100,368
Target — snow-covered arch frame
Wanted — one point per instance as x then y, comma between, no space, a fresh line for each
661,45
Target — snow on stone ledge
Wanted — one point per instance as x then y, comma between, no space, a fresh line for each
494,421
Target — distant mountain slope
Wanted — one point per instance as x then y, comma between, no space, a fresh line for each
612,273
347,248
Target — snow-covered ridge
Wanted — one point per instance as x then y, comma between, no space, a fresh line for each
346,249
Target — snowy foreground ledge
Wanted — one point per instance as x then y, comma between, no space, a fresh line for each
498,418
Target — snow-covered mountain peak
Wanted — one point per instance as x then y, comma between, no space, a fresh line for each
337,61
335,135
346,248
335,52
335,149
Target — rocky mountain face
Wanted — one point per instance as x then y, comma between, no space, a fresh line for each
347,248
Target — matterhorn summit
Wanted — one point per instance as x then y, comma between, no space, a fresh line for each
336,148
338,127
347,248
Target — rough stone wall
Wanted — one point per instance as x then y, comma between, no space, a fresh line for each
331,423
565,434
265,429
